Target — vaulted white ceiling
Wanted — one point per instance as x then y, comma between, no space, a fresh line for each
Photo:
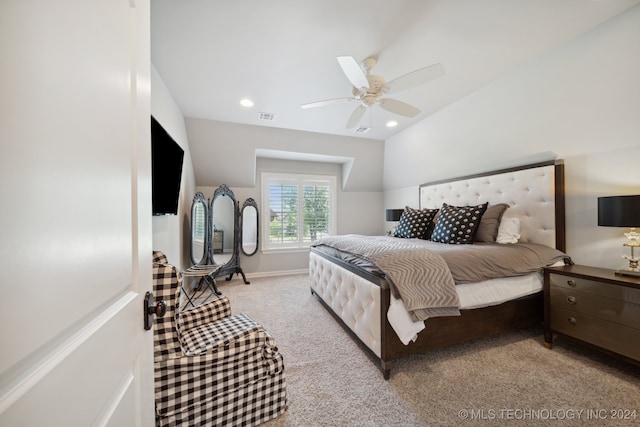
282,53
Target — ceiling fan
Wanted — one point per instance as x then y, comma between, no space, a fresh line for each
368,89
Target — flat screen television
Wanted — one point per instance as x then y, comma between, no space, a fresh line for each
166,170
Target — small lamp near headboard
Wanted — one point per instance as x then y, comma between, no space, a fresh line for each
393,215
623,211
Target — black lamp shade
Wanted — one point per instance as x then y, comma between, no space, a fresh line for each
619,211
394,214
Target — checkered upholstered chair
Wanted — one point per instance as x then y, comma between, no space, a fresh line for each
211,368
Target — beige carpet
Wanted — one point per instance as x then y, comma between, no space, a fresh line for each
510,379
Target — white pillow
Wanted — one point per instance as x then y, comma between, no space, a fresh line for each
509,231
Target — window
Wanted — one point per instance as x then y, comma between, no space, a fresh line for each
297,209
199,222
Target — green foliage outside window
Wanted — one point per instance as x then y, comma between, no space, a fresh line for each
316,212
284,203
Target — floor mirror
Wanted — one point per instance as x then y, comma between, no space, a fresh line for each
199,230
249,236
224,233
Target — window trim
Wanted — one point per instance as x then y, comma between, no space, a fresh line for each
299,179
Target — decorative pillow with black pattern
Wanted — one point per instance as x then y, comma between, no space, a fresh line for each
414,222
458,224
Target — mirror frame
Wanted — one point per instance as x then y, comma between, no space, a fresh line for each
199,198
221,191
249,203
233,265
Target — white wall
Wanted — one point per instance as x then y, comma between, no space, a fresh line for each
580,103
171,232
358,212
608,173
236,145
230,153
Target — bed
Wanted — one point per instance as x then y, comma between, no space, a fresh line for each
367,299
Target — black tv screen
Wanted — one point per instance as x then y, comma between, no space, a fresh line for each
166,170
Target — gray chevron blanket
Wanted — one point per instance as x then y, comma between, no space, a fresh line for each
420,277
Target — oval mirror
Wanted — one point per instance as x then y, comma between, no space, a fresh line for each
223,225
199,230
249,216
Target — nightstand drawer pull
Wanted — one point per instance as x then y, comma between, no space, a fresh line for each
571,299
572,320
571,283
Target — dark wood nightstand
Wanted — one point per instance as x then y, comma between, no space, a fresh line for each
218,241
593,306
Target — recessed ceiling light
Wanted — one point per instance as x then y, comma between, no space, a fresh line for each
246,102
392,124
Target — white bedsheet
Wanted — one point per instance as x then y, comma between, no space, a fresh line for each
472,295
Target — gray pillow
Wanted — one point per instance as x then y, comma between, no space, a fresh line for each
490,223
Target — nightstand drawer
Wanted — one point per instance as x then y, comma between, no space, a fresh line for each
593,287
598,306
218,238
618,338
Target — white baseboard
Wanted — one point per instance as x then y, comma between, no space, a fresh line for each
277,273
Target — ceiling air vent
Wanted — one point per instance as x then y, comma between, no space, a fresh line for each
266,116
362,129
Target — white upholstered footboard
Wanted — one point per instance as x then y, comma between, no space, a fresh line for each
354,299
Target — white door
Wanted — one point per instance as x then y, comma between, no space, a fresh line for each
75,213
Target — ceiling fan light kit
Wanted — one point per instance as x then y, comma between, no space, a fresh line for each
368,89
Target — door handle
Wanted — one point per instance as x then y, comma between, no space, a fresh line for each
159,309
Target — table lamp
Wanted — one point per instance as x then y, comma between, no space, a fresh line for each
393,215
623,211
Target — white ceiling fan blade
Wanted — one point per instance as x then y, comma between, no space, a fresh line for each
415,78
356,116
398,107
325,102
353,72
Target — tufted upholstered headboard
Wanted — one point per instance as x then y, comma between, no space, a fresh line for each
534,192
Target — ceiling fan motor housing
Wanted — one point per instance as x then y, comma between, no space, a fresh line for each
369,63
370,96
376,84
